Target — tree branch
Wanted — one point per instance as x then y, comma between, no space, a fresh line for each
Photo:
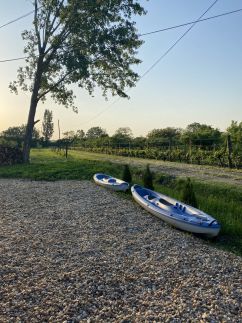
36,26
54,86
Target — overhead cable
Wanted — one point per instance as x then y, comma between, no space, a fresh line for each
154,64
12,59
191,22
176,42
156,31
17,19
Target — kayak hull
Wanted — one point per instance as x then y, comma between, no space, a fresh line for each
110,182
175,213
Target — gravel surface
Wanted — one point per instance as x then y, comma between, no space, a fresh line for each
72,251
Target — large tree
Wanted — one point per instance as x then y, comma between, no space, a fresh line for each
87,42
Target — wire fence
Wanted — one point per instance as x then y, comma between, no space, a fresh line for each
207,151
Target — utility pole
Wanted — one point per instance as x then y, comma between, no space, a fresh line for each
59,128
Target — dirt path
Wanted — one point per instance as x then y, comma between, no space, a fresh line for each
200,172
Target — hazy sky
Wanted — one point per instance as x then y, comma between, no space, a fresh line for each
200,80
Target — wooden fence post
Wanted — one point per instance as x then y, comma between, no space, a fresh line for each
229,147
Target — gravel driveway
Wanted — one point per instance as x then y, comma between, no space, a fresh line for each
72,251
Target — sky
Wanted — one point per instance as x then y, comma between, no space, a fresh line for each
200,79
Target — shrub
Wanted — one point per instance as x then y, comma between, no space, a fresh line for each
10,156
188,195
127,177
148,178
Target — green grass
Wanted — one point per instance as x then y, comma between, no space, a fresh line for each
224,202
48,165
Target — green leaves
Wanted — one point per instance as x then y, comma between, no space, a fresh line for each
47,125
91,43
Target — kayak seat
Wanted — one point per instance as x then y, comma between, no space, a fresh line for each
165,202
151,197
112,180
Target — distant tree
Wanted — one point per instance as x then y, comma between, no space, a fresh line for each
163,136
47,125
235,131
168,132
201,134
17,134
148,178
79,137
96,132
88,43
80,134
70,135
139,142
122,135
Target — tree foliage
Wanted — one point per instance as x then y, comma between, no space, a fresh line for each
47,125
148,178
96,132
90,43
235,131
188,194
16,134
80,134
165,133
122,135
127,177
197,133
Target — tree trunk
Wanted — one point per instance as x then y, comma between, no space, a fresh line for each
29,130
32,111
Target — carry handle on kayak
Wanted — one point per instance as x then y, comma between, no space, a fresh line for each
212,222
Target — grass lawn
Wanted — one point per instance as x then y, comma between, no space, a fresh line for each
224,202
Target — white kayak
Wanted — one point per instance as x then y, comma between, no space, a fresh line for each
110,182
175,213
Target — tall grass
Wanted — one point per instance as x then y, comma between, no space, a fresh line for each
223,202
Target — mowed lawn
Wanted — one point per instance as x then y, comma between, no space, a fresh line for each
222,201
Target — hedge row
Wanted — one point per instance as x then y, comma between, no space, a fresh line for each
10,156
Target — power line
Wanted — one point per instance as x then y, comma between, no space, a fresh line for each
145,34
12,59
190,23
156,62
176,42
17,19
